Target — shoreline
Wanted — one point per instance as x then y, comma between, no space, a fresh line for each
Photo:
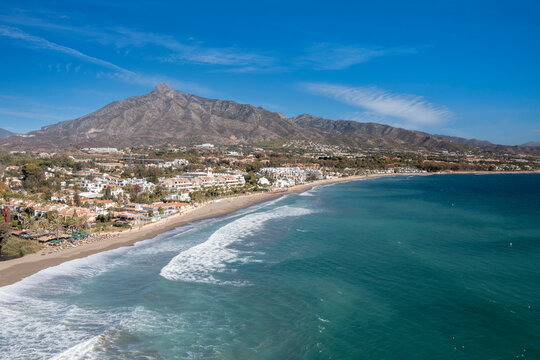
12,271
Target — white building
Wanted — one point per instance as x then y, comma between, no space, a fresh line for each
190,183
105,150
263,182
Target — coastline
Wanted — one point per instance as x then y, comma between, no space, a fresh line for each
12,271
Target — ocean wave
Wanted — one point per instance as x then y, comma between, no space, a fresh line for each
122,339
37,321
139,320
201,262
85,349
35,328
63,276
168,241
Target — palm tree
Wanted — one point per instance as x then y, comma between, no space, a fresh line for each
80,222
42,223
69,222
28,219
55,223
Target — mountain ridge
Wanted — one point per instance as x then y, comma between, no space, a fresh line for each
531,144
167,116
5,133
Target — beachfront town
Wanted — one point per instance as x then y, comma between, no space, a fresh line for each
50,199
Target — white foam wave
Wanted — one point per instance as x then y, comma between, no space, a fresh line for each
85,349
36,320
82,268
201,262
139,320
34,328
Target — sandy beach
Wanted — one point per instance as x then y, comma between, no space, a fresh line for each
12,271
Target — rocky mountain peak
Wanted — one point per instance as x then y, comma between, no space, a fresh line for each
162,88
305,117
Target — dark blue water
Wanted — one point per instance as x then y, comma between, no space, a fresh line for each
424,267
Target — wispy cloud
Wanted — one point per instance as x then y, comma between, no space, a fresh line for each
226,57
41,43
327,56
412,109
195,52
187,51
118,72
320,56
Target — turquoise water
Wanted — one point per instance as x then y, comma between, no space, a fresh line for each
391,268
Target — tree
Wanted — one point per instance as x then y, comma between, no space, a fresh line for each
55,222
133,191
80,222
5,230
160,210
250,178
108,194
33,175
28,219
77,199
47,194
3,187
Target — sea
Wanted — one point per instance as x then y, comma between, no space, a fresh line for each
404,267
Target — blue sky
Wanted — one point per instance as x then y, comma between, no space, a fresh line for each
464,68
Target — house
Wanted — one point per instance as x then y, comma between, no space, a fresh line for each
107,204
133,207
180,206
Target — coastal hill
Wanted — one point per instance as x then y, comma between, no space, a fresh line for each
167,116
5,133
531,144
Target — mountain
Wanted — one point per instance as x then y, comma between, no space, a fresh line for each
470,142
5,133
371,134
531,144
167,116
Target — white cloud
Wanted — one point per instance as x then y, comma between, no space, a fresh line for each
413,109
191,52
119,72
226,57
326,56
321,56
41,43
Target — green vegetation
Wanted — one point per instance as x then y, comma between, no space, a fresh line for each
5,232
13,247
33,176
77,199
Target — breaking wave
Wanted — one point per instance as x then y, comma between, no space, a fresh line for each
201,262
